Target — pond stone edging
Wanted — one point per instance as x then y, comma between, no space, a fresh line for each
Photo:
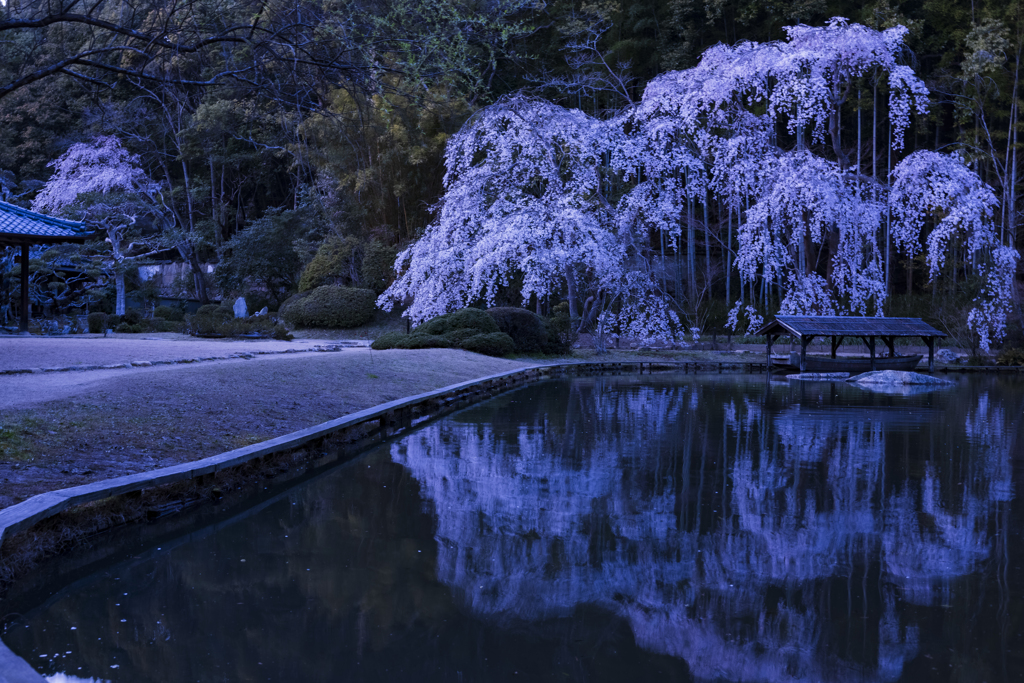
392,417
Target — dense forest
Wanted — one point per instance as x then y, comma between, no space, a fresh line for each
295,144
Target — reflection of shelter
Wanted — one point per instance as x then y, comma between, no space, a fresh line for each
23,228
807,327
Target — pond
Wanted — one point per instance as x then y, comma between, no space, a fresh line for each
665,528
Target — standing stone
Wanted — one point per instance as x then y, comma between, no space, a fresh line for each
240,310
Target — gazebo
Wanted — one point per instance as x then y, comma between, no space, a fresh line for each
23,228
868,328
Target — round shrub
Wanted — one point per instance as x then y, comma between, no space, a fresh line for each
215,311
397,340
388,340
466,318
527,329
424,341
333,307
332,264
456,338
378,268
97,322
169,313
490,344
113,321
128,327
132,316
282,311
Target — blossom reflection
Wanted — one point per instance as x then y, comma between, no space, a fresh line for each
749,536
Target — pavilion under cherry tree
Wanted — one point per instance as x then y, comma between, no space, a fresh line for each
23,228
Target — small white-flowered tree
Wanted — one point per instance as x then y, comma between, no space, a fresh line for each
101,182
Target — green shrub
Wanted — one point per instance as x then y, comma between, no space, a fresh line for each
378,268
333,307
132,316
161,325
388,340
1012,356
208,320
490,344
456,338
397,340
262,326
471,318
126,327
169,313
333,264
113,321
97,322
215,310
527,329
562,330
282,311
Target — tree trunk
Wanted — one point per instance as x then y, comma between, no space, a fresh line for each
728,262
570,283
188,254
119,307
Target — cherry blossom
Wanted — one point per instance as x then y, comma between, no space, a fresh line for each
102,182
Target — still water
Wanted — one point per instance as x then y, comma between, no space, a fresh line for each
599,529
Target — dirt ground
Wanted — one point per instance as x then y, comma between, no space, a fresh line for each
60,429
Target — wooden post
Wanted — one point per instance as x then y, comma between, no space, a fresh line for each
768,353
804,340
890,342
871,346
24,289
930,341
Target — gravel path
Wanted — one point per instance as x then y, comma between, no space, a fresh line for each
18,353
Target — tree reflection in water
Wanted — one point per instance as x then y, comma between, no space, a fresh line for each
601,529
778,538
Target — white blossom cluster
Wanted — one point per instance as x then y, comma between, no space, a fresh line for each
555,199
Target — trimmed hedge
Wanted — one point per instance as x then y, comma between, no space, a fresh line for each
465,318
490,344
526,328
331,306
470,329
169,313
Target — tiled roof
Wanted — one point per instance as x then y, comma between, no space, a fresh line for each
22,225
849,325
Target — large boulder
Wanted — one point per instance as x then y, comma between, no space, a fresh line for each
897,378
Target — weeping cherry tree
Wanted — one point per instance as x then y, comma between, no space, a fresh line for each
590,208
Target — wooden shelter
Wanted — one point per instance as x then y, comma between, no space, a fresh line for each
23,228
807,327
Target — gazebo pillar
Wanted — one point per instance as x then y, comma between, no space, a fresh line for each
24,289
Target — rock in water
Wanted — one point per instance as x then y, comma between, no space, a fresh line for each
262,311
896,377
240,310
947,356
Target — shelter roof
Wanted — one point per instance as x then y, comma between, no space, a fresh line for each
20,226
849,325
